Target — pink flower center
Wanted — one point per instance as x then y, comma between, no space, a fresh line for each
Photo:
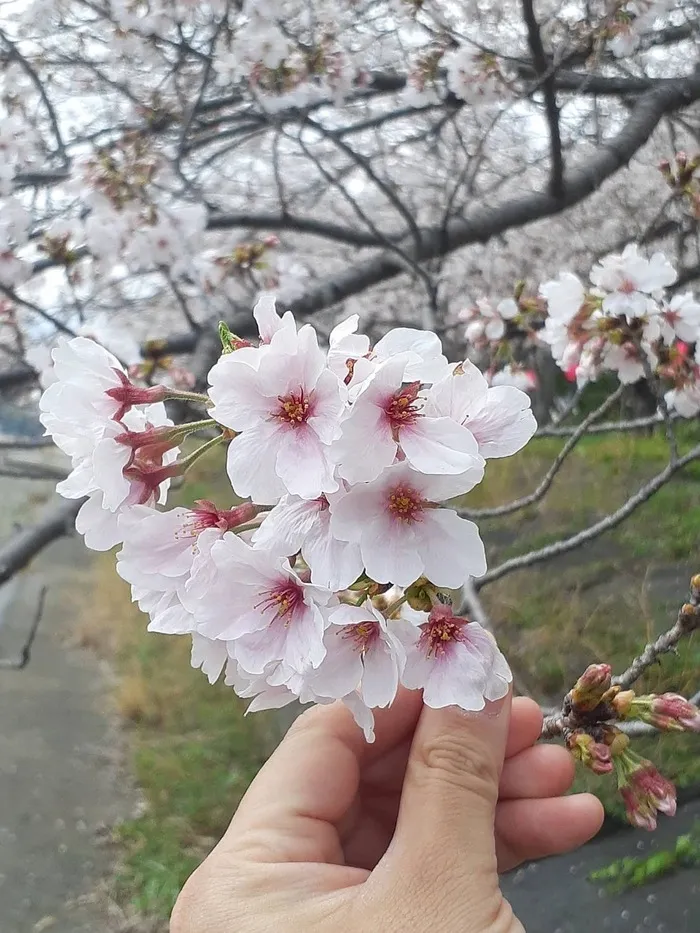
438,634
294,408
627,287
363,635
405,504
403,407
283,600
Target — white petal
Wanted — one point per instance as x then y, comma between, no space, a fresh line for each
503,423
451,548
303,463
250,464
439,446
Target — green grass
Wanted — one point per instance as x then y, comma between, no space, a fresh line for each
194,752
626,873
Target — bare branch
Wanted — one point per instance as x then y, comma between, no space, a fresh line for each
548,478
56,522
543,70
593,531
24,657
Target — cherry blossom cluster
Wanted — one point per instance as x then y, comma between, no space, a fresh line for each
624,322
629,22
601,746
330,574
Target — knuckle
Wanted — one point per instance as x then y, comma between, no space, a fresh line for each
461,763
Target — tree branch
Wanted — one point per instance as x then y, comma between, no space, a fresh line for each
593,531
545,72
56,522
548,478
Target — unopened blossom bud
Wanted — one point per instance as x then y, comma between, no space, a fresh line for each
665,169
643,789
622,702
689,617
695,586
673,712
589,689
128,395
617,741
229,340
594,755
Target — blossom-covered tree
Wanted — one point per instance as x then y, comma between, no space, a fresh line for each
438,211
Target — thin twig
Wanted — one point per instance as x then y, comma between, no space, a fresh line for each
548,478
593,531
19,663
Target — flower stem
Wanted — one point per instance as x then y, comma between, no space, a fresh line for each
182,396
395,606
190,460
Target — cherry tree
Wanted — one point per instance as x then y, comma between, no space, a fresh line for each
441,212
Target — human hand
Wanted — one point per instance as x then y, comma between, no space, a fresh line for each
407,834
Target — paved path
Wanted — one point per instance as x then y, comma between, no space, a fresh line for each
59,781
555,896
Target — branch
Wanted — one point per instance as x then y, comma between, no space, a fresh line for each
688,620
19,663
285,221
26,544
543,70
548,479
593,531
609,427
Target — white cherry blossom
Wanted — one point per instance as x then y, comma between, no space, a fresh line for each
286,411
403,536
363,656
304,525
454,662
262,608
499,417
387,419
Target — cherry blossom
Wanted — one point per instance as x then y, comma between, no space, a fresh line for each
286,413
263,609
455,662
401,533
363,655
387,419
304,525
631,279
487,322
498,417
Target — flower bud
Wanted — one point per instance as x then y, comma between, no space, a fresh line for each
588,690
592,754
673,712
644,790
421,595
622,702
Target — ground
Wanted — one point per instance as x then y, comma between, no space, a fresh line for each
62,784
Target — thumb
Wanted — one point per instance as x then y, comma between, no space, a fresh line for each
445,828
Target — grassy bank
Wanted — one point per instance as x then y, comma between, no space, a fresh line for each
194,752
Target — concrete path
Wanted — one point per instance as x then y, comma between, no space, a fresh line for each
60,782
555,896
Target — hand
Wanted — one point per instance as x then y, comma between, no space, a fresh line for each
403,836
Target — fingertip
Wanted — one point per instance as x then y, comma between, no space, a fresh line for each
525,725
536,772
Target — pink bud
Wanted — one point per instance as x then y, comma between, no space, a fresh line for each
208,516
676,708
128,395
588,690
